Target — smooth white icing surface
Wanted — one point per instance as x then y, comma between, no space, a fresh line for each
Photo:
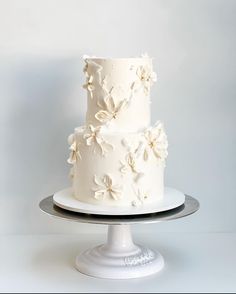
117,158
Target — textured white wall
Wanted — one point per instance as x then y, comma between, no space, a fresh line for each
41,44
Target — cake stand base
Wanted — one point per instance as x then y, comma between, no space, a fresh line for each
119,258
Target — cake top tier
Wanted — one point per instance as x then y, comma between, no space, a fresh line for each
119,92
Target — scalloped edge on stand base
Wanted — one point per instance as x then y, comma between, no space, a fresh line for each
101,263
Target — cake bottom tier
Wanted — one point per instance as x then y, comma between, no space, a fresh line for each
116,169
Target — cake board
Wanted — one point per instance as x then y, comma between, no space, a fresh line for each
172,198
119,257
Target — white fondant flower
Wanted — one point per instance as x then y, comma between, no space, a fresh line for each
104,84
92,68
156,142
106,188
141,197
130,166
94,138
146,77
85,69
89,86
74,148
109,109
71,139
134,145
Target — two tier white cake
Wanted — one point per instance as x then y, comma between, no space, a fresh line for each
117,158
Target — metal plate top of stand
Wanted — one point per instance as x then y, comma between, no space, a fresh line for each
190,206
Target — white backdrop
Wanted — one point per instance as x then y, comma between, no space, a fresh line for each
41,44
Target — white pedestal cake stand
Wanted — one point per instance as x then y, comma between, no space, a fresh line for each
119,258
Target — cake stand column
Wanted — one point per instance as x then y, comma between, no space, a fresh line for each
119,258
119,240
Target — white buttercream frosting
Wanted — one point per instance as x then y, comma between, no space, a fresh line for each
115,84
117,158
123,162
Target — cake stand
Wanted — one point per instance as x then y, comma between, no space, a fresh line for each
119,257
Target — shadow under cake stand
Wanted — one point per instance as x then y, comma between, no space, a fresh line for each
120,257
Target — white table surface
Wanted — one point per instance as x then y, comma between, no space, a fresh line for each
195,262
